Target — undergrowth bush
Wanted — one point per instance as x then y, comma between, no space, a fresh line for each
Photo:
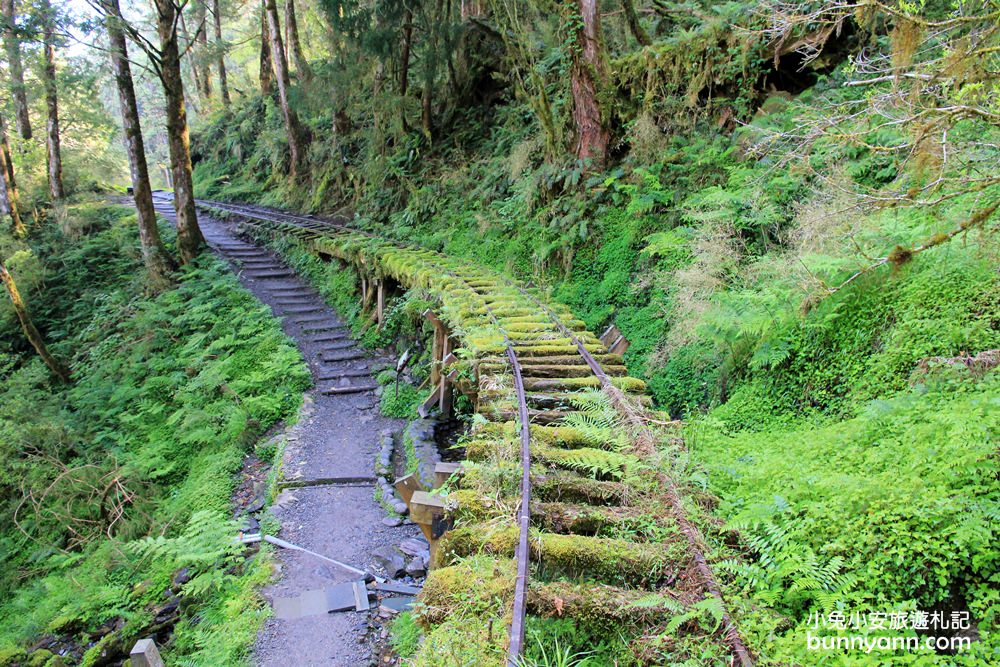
170,392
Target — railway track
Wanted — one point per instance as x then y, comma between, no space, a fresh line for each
562,477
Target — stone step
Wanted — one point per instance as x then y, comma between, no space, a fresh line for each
283,273
333,359
350,389
337,375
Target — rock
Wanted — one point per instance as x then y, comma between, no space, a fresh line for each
400,507
391,560
413,546
416,567
392,521
382,480
181,576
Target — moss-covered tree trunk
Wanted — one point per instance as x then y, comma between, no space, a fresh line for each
158,263
302,69
53,151
192,63
588,77
8,186
31,333
293,128
632,19
266,68
431,60
12,46
201,40
219,46
189,237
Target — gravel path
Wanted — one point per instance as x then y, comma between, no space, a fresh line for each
336,437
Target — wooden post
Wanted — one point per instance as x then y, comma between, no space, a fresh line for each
407,486
444,401
444,471
145,654
436,347
381,301
428,512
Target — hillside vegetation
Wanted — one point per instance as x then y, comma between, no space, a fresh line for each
805,267
789,209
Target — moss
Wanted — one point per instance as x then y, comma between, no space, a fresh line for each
478,585
603,559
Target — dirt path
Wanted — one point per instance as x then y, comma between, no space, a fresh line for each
336,439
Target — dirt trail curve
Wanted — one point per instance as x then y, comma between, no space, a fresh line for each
336,439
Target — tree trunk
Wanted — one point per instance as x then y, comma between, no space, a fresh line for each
201,39
266,68
13,47
30,332
404,53
56,191
295,46
431,59
195,71
189,238
223,81
404,62
296,137
8,187
158,263
588,75
633,23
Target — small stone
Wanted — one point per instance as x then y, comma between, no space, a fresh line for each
413,546
416,568
383,481
392,521
400,507
391,560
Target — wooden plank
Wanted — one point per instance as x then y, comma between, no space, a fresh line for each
444,471
407,486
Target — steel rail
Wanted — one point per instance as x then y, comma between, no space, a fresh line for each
693,535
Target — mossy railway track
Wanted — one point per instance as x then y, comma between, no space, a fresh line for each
565,507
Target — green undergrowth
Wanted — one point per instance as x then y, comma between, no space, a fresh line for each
895,509
131,468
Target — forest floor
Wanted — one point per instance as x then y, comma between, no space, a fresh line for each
329,457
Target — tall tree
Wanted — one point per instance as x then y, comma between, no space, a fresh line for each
632,19
189,237
158,263
266,68
13,47
302,69
8,186
588,77
196,74
53,152
30,331
432,58
293,128
221,51
201,40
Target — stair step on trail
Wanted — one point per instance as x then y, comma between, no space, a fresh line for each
349,356
328,338
346,345
349,389
337,375
302,310
283,273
